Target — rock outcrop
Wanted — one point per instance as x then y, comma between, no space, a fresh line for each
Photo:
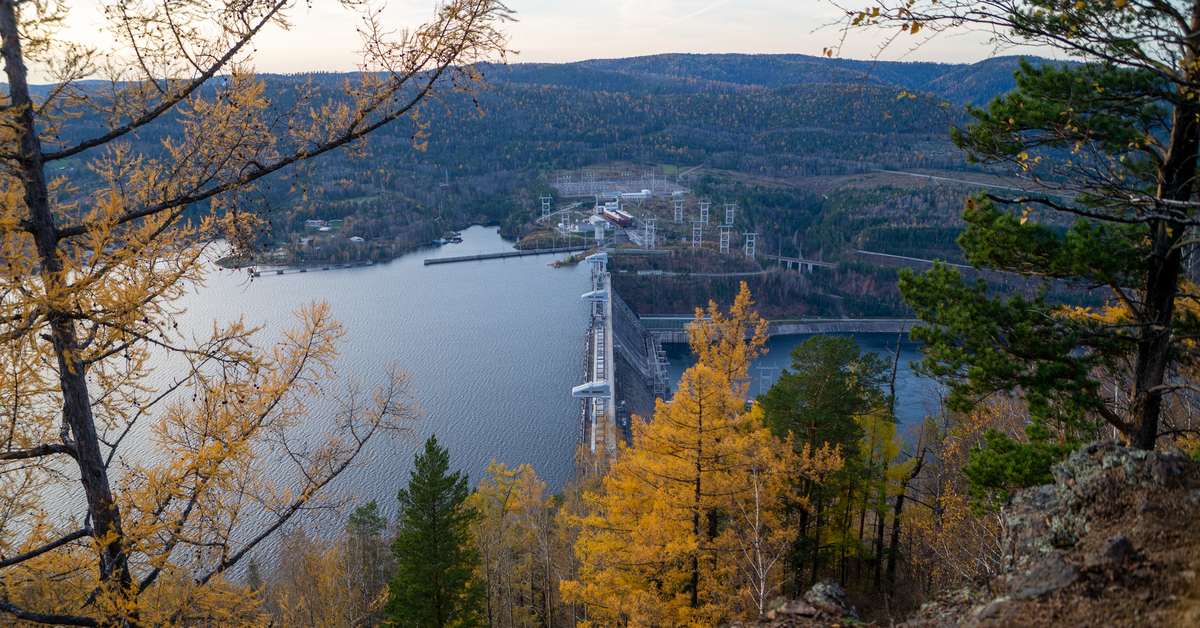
823,605
1115,541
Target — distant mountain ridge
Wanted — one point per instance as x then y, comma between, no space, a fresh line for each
690,73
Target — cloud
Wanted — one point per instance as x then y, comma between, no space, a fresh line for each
692,15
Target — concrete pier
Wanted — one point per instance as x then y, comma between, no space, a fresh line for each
517,253
624,370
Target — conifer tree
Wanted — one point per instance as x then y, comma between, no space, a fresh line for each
436,584
686,529
831,386
1108,147
130,497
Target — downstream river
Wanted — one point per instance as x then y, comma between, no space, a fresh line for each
493,347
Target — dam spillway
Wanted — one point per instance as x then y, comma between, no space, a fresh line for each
624,367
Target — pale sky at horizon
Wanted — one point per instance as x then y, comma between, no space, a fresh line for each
324,39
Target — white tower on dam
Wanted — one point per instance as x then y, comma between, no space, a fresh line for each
599,413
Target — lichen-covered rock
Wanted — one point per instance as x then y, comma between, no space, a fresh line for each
798,607
1043,578
1109,543
1117,552
828,597
1100,481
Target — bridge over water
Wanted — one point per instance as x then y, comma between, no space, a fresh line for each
673,329
799,263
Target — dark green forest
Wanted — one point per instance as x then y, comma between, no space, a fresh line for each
783,136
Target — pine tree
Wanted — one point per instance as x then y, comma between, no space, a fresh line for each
435,584
1109,150
831,386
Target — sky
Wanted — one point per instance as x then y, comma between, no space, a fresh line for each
323,37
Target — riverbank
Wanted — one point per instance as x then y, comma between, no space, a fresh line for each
312,260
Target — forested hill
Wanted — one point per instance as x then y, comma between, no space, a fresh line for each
956,83
779,119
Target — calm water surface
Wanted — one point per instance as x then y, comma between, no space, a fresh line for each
493,347
916,397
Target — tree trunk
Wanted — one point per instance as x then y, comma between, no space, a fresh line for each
816,549
798,564
880,521
847,522
862,526
1175,182
77,411
894,548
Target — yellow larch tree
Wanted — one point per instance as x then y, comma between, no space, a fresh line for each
126,503
729,342
496,536
762,524
314,583
306,588
686,529
649,554
515,535
540,542
958,538
690,527
226,471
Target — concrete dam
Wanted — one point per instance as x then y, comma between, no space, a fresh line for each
625,367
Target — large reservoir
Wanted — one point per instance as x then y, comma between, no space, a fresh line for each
493,347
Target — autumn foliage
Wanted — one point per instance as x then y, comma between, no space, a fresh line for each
688,527
130,500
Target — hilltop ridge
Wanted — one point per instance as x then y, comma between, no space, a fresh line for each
956,83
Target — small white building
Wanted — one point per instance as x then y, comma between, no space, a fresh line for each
610,206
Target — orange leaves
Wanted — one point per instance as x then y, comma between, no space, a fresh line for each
90,284
226,450
720,340
688,528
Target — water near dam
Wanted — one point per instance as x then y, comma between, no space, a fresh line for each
916,397
493,346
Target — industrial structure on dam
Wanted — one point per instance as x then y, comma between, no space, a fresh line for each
625,367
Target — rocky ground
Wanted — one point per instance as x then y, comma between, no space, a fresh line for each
1115,541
